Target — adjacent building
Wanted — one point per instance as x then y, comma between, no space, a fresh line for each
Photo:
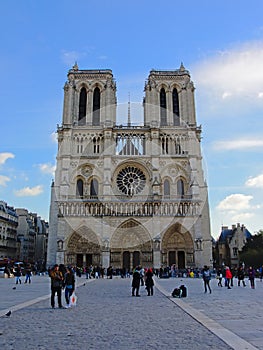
8,231
230,244
129,194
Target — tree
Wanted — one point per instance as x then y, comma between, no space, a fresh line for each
252,252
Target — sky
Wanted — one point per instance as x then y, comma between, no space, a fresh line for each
219,42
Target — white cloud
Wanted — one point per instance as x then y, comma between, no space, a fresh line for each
54,137
255,181
4,156
235,202
47,168
234,72
239,144
29,192
242,217
4,180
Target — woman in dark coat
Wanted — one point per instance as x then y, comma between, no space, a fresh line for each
149,281
136,280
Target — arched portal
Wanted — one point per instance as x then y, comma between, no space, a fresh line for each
83,248
131,241
177,247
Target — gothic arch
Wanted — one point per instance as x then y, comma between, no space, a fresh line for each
131,235
177,244
83,240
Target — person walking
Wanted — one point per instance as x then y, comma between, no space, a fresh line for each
251,277
228,277
56,286
219,277
136,280
149,281
69,284
28,273
18,274
241,276
206,278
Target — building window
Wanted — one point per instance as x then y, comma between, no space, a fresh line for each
94,188
79,189
82,103
176,113
166,188
163,107
131,180
180,188
96,107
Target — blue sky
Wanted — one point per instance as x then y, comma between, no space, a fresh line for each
219,42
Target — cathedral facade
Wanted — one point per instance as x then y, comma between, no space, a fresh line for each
125,195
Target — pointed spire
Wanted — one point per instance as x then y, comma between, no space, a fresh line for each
129,112
182,66
75,67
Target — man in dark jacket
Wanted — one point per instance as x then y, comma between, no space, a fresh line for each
56,285
136,280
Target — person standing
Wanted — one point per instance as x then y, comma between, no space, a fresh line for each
56,286
251,277
149,281
18,274
241,276
219,277
136,280
228,277
69,284
206,278
28,274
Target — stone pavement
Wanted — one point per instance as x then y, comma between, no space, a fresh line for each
107,317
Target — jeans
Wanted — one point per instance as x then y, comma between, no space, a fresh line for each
68,293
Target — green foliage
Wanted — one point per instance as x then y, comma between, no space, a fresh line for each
252,252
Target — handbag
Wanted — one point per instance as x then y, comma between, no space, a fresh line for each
73,299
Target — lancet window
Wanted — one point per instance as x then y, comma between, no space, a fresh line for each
180,188
163,107
176,112
82,104
94,188
79,188
166,188
96,107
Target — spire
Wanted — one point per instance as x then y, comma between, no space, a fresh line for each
182,67
129,112
75,67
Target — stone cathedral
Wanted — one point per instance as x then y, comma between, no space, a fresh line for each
127,194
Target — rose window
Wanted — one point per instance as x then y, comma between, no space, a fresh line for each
131,180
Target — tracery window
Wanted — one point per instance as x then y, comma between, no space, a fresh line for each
163,107
96,107
131,180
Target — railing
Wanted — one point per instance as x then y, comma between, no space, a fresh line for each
144,208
